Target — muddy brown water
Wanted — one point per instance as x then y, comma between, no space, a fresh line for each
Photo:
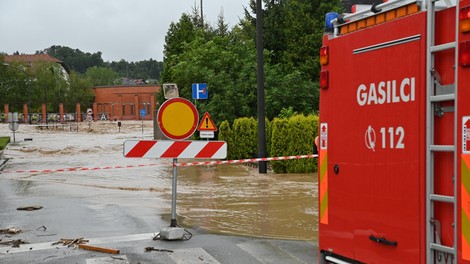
236,199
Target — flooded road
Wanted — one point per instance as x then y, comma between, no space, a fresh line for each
88,165
236,199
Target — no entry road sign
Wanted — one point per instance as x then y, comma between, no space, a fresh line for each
177,118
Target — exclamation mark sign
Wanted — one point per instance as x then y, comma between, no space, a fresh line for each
207,122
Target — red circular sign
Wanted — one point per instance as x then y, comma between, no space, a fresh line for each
177,118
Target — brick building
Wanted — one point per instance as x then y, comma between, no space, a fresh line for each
124,102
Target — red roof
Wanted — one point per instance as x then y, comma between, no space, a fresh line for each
31,58
34,58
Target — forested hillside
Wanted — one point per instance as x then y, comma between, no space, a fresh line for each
80,62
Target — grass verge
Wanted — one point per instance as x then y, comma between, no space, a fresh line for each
4,142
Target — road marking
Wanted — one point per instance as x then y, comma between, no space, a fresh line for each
193,255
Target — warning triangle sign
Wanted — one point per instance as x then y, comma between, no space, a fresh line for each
206,123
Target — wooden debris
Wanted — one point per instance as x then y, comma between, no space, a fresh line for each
71,242
42,227
14,230
99,249
29,208
44,235
14,243
11,230
148,249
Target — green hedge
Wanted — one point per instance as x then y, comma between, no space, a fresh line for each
4,142
284,137
225,134
244,138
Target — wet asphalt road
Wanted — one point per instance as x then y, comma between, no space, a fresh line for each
71,218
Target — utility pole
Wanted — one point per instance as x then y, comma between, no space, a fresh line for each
260,84
202,16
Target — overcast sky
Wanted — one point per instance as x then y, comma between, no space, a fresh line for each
133,30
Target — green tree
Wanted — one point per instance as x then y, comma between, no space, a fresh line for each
227,65
293,32
101,76
42,82
50,86
80,92
178,36
226,59
14,80
75,59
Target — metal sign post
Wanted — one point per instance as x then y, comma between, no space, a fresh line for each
13,123
173,222
143,113
174,149
173,232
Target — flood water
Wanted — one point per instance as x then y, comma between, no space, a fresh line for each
236,199
226,199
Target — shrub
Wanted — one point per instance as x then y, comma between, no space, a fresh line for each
284,137
244,139
225,134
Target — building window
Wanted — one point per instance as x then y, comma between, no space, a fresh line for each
132,109
123,109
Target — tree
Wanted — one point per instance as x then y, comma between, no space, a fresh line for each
42,82
50,86
222,28
80,92
226,64
14,80
226,59
178,36
100,76
293,32
75,59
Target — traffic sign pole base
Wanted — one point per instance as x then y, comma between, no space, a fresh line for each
172,233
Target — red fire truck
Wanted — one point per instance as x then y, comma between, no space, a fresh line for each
394,154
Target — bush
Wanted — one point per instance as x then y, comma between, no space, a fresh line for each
279,143
244,138
225,134
284,137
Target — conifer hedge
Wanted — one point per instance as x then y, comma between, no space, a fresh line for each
284,137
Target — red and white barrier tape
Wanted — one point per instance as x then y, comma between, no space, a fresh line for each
243,160
159,164
82,168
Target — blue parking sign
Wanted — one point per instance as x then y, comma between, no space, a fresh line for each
200,91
